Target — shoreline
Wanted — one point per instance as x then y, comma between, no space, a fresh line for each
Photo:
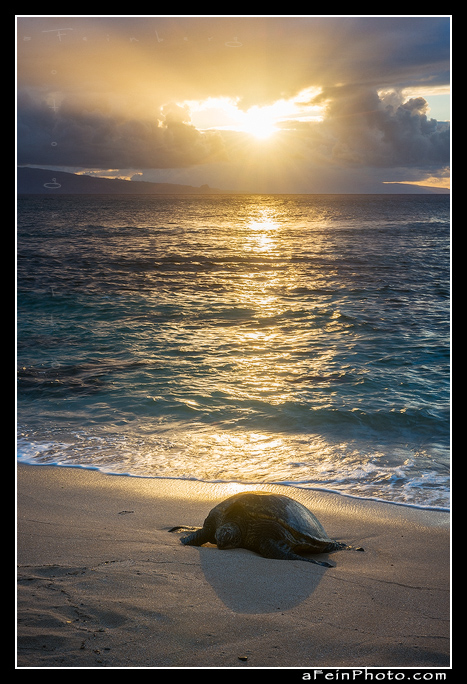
102,583
284,484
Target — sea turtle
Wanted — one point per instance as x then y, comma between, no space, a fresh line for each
273,525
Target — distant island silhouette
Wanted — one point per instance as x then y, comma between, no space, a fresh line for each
34,181
46,182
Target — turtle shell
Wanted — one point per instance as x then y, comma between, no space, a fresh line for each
254,507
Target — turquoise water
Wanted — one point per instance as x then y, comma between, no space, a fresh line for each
297,339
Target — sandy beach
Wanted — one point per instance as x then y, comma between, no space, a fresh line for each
103,583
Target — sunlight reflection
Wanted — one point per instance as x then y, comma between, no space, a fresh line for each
264,348
231,488
262,228
264,222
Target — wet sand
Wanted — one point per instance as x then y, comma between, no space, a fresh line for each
103,583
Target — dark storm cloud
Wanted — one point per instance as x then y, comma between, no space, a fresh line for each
97,138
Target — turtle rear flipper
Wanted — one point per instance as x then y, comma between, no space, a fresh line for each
271,548
339,546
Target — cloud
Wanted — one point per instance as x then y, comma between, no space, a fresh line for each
364,128
256,59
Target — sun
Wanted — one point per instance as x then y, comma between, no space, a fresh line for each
258,122
224,114
260,131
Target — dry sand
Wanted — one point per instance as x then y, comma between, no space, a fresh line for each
102,583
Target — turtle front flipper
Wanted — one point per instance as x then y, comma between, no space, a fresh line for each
195,538
270,548
184,528
201,536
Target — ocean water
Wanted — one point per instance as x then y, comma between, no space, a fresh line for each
294,339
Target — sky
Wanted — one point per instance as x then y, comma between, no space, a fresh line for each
261,104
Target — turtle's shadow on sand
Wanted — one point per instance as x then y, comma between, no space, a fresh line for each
248,583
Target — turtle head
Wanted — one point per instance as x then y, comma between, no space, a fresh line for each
228,536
